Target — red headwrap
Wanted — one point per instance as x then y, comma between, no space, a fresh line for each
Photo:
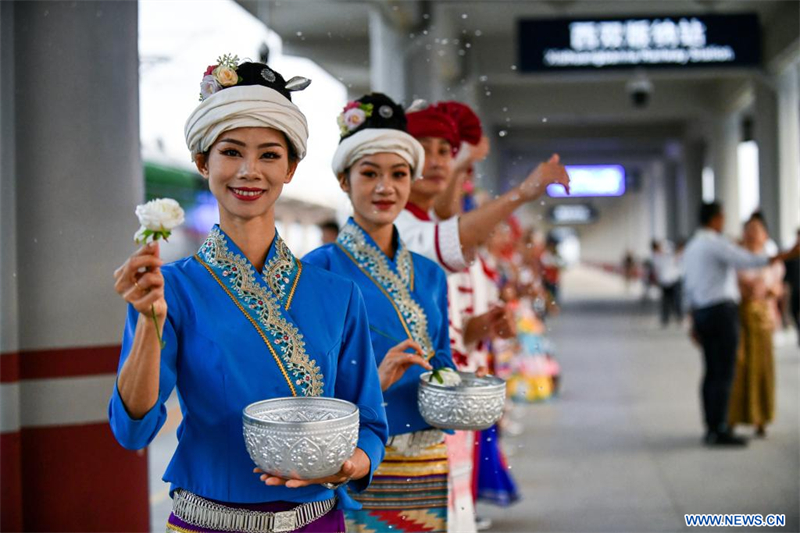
431,122
469,125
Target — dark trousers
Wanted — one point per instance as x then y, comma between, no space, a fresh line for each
717,327
670,302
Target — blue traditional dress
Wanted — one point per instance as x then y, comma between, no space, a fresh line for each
236,336
406,298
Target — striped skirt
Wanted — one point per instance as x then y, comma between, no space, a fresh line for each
407,494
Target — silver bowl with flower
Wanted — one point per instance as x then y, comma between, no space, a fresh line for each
474,404
301,438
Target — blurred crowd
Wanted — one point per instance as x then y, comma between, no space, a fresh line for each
738,296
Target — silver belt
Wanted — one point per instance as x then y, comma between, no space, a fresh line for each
200,512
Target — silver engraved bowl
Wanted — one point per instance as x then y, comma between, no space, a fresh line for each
475,404
301,438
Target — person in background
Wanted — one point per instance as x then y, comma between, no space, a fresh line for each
452,242
330,230
629,274
712,293
667,269
753,394
375,163
552,263
792,280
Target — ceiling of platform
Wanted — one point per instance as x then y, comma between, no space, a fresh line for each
336,34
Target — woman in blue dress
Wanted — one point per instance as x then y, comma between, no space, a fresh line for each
406,297
243,320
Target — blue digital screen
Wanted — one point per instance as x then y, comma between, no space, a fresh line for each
591,180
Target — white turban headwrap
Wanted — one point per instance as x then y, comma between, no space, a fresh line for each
246,106
372,141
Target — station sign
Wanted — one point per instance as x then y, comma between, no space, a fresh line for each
572,214
547,45
591,181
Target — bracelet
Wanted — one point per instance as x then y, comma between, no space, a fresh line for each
334,486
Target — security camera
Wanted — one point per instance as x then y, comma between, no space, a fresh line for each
639,90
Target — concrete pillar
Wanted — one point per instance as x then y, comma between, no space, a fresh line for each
386,55
71,177
789,154
723,142
656,197
765,133
10,436
691,192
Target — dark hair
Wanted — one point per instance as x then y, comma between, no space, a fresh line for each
709,211
331,225
757,217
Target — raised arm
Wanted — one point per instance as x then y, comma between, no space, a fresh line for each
146,372
476,226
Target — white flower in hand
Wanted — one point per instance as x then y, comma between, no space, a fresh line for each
158,218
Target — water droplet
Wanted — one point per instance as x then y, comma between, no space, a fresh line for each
299,34
544,119
441,53
483,78
395,8
542,202
488,93
464,15
462,53
46,12
411,35
502,133
505,110
426,16
353,362
513,67
468,45
424,32
478,33
445,41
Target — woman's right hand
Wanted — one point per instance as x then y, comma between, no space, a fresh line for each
140,282
397,361
548,173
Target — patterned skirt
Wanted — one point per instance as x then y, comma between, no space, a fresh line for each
753,392
407,494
